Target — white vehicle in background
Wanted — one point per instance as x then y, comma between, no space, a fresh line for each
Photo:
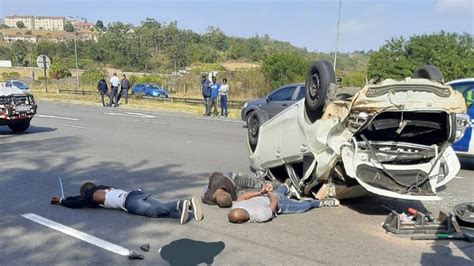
17,84
465,146
392,138
17,108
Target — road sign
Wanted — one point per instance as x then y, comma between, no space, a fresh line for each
43,61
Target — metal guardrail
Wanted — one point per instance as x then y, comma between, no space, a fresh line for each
194,101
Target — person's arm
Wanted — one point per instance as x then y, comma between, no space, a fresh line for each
71,202
249,195
273,201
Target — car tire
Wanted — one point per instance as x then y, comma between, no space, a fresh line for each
255,120
428,72
19,127
319,78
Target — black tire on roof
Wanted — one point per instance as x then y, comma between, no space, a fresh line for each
428,72
319,78
255,120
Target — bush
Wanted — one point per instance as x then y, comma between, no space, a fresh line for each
154,79
59,71
93,75
10,75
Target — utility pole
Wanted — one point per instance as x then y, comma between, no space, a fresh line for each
337,36
75,52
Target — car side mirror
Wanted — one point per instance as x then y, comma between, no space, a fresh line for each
268,99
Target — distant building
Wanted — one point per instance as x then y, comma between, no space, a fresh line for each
37,23
49,23
79,25
11,21
20,37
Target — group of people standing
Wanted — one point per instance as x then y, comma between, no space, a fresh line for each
211,90
114,94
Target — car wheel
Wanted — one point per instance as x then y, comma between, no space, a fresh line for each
19,127
428,72
319,78
255,120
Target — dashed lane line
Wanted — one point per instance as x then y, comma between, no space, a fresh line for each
77,234
130,114
58,117
71,126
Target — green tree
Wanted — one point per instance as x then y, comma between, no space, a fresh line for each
92,75
59,70
20,24
452,53
68,27
99,25
283,68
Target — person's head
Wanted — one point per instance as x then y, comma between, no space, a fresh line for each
86,187
238,216
115,74
124,76
203,76
214,79
224,81
223,198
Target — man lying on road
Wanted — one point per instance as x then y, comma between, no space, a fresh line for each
134,202
261,206
222,190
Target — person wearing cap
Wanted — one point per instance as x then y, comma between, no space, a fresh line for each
135,202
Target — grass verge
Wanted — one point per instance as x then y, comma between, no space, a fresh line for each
133,103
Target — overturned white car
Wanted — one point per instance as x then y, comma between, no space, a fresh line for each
17,108
392,138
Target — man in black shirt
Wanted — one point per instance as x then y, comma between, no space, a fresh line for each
222,190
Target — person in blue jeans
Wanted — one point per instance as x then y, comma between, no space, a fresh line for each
214,94
261,206
223,91
135,202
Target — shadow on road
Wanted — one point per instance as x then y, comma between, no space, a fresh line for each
376,205
4,130
191,252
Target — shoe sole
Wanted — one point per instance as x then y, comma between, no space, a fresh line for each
184,212
197,208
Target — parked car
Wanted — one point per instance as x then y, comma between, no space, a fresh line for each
146,89
18,84
465,146
275,101
391,139
17,108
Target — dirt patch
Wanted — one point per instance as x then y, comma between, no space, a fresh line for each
232,66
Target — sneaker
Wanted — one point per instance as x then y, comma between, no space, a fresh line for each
328,202
288,183
196,207
183,207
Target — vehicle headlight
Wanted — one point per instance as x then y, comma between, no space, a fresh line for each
245,105
462,121
356,121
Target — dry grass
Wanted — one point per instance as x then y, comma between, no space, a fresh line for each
133,103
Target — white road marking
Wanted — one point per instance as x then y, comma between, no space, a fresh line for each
58,117
129,114
71,126
151,122
77,234
459,177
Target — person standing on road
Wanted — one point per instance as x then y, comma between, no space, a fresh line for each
124,87
223,91
206,93
114,84
214,93
135,202
261,206
103,90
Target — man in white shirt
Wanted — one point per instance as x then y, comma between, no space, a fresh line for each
223,91
114,85
135,202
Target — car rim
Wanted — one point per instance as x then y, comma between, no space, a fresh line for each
315,85
254,130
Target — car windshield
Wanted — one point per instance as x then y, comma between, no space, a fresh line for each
20,85
467,90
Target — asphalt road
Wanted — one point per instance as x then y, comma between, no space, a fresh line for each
171,155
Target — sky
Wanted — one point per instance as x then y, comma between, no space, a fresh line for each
364,24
